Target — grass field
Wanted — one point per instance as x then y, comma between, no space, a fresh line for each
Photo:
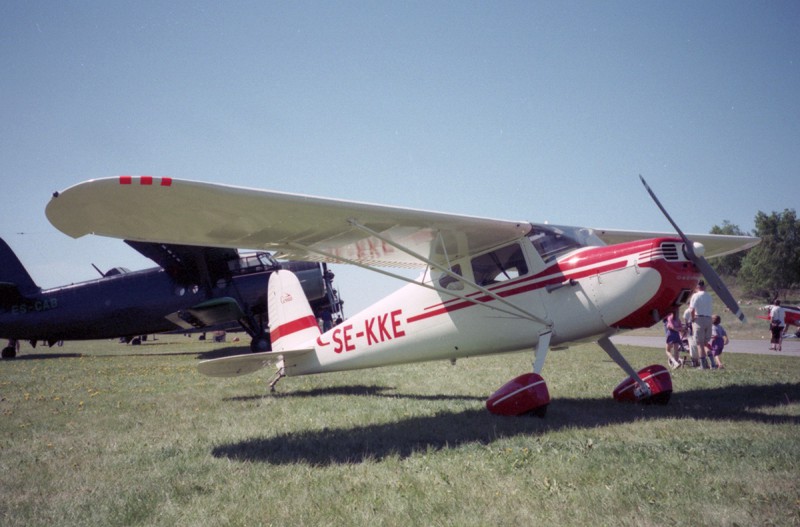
98,433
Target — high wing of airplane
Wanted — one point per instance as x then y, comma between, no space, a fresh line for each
487,286
194,288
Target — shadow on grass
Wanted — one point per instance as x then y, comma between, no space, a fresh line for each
227,351
41,356
447,430
362,390
211,354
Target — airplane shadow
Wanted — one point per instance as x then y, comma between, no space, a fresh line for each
358,390
448,430
42,356
213,354
227,351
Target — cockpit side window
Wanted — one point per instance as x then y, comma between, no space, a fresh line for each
252,263
450,282
499,265
551,243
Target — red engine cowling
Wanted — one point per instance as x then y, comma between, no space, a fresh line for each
522,395
657,378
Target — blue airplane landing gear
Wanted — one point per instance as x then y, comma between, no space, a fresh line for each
260,344
10,351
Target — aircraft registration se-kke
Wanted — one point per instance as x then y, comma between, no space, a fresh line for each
487,286
195,288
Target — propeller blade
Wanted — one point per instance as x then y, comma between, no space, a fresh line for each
702,264
716,283
689,244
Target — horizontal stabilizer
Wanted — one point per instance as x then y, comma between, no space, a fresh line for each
249,363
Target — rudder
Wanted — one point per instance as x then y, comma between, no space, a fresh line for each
14,279
292,323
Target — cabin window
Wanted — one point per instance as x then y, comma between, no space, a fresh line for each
450,282
252,263
500,265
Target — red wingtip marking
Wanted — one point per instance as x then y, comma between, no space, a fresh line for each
146,180
166,181
125,180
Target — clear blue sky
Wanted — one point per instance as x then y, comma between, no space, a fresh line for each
542,111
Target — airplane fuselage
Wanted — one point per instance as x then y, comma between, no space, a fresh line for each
128,304
587,294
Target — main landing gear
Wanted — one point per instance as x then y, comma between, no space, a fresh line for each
10,351
528,394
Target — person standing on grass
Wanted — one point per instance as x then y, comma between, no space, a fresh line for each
702,307
719,339
673,330
687,327
777,325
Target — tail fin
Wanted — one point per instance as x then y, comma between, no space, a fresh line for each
14,279
292,324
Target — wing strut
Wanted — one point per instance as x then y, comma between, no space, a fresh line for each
617,357
515,311
447,271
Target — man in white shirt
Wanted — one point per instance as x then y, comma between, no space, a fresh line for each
777,320
702,307
687,323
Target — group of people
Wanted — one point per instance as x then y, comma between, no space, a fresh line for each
702,330
705,335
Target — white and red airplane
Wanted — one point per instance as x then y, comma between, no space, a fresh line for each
487,286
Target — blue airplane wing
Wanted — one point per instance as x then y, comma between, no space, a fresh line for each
189,263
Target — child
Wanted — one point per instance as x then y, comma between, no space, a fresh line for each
719,339
673,333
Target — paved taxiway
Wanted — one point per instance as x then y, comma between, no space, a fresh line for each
791,346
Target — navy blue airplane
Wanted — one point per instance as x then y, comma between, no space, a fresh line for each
194,288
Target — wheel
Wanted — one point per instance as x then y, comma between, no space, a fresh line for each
526,394
258,345
658,380
9,353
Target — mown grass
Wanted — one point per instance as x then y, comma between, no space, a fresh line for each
96,433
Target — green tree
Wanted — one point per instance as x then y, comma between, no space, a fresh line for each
728,265
772,267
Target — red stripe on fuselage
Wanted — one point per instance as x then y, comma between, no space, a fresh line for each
289,328
575,266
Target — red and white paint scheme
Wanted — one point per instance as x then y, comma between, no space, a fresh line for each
486,286
791,315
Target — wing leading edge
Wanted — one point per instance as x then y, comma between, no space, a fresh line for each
715,244
294,226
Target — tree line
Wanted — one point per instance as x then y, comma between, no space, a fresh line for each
771,269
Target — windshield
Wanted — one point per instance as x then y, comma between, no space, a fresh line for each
551,242
252,263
